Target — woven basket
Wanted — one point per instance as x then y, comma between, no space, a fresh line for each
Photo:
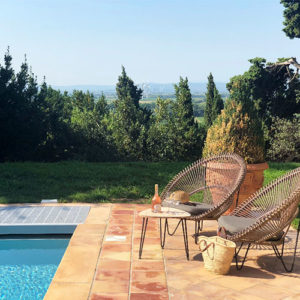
217,253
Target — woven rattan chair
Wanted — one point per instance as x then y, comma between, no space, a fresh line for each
265,218
214,181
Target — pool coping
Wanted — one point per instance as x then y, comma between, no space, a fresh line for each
75,273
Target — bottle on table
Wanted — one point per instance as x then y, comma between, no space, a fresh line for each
156,201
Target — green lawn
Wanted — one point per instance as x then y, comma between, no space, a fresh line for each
94,182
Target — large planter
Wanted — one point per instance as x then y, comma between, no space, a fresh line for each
217,175
253,181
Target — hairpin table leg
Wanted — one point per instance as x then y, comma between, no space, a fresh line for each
143,234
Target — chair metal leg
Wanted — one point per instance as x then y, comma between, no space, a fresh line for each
279,254
143,234
198,229
239,267
185,238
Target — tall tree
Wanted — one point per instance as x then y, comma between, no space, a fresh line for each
161,135
291,15
218,104
21,116
57,111
214,103
126,88
188,138
130,121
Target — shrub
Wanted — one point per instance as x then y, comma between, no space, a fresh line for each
284,140
236,131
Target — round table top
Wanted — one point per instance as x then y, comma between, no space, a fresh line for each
167,212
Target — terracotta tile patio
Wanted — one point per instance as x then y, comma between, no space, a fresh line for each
94,267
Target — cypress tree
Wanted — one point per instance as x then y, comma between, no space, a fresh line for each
209,96
214,103
188,140
218,104
130,122
126,88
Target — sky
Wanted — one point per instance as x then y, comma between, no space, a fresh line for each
85,42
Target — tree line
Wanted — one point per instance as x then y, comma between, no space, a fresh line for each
40,123
44,124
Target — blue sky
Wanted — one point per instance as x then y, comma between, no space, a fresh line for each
86,42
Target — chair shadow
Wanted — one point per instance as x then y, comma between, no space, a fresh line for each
272,264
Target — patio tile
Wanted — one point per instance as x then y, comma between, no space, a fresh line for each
148,247
144,276
71,291
116,255
148,241
143,265
268,292
235,283
148,287
77,265
121,217
86,240
122,212
160,274
109,297
148,255
116,248
294,297
109,286
86,229
287,282
147,296
114,264
98,215
112,275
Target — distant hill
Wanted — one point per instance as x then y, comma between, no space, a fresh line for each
197,88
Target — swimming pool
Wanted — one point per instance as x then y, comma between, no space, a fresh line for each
27,266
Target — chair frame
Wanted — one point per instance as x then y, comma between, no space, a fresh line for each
265,234
215,212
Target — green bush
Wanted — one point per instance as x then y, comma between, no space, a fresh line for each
235,132
237,129
284,140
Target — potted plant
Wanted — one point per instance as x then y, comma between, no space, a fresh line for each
238,130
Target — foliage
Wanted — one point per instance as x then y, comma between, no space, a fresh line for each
188,142
130,122
270,90
174,134
161,132
291,15
198,109
126,88
21,115
214,102
57,110
237,129
285,140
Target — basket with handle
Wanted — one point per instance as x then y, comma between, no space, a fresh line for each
217,253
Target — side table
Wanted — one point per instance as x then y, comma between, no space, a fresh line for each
166,213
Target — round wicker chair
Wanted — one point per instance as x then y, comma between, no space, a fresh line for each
214,181
265,217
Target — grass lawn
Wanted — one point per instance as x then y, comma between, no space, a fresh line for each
94,182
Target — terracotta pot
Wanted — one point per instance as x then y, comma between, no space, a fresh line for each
253,181
217,175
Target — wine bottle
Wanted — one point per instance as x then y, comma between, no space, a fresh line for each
156,201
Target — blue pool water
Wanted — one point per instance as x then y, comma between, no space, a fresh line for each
27,266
